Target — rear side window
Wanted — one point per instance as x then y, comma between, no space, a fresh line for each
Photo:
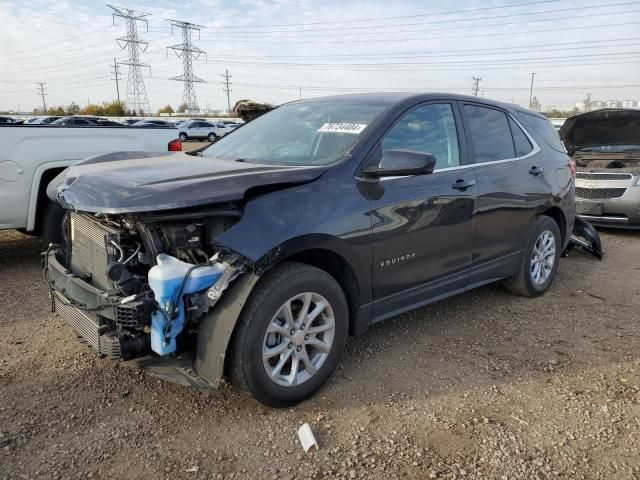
545,129
520,140
490,134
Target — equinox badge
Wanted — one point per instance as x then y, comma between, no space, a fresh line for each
400,259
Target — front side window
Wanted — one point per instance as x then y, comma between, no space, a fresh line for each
428,129
301,133
490,134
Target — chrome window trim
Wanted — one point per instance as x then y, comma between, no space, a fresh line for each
534,150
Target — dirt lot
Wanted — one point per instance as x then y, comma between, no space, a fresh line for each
485,385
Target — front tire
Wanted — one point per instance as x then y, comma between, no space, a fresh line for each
212,137
290,336
183,137
540,260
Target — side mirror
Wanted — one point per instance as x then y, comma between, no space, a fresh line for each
401,162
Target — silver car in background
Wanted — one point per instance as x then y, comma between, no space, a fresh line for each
605,144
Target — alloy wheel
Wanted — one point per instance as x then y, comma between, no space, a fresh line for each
543,257
298,339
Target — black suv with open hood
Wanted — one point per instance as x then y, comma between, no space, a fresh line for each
260,255
605,145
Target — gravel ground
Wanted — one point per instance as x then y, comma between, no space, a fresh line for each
484,385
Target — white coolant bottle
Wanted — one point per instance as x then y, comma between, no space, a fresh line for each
165,279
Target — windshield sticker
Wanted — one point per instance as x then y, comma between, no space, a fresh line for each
352,128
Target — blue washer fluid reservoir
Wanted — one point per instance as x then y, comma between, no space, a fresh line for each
165,279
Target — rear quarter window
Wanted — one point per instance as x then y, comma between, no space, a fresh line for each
544,128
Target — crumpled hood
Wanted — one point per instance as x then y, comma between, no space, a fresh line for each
129,182
610,126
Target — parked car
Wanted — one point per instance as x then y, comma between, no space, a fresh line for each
7,120
131,121
199,130
109,123
605,145
73,121
30,121
313,221
29,162
45,120
152,123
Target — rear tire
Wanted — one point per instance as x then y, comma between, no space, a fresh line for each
263,328
540,260
212,137
183,137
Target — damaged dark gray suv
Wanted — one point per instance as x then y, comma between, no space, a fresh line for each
258,257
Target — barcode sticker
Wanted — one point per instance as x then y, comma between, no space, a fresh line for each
352,128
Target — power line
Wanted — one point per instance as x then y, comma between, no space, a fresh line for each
136,92
188,52
429,14
41,87
465,35
227,89
476,82
376,28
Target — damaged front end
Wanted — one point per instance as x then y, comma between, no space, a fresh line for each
586,237
140,288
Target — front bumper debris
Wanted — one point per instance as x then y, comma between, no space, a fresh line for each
584,236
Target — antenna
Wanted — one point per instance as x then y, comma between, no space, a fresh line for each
136,92
188,52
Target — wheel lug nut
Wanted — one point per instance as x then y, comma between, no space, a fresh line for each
292,332
302,327
290,345
298,349
306,337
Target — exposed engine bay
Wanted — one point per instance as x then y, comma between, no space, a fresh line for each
153,277
620,162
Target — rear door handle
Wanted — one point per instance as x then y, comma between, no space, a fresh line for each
461,184
536,170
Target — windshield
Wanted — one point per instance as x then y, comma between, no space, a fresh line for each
610,149
308,133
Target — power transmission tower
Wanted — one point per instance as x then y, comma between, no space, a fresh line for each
227,90
476,82
188,52
533,74
116,73
136,92
41,87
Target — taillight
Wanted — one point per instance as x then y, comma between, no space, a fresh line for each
175,145
572,167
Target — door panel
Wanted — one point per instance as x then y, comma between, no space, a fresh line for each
509,197
422,225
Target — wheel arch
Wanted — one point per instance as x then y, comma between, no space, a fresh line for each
41,181
558,216
340,269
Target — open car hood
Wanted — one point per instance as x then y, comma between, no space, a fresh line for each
129,182
610,126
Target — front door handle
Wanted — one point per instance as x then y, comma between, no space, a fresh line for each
536,170
461,184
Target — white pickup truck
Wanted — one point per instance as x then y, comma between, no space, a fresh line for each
31,156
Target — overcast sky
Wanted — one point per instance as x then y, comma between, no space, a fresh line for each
275,49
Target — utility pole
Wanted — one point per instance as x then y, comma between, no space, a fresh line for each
533,74
41,87
136,92
116,72
227,90
476,82
188,52
300,92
